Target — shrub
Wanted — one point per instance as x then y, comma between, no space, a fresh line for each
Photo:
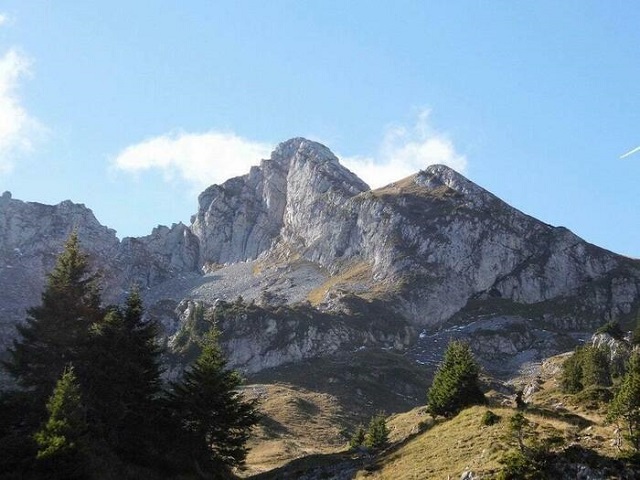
489,418
517,466
612,328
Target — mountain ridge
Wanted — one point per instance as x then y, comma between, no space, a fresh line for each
428,249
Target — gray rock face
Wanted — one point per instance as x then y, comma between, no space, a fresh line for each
434,247
31,236
161,256
256,338
290,196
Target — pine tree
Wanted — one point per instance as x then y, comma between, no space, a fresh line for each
589,366
571,380
626,402
358,438
456,382
214,415
123,380
377,434
56,332
595,368
60,440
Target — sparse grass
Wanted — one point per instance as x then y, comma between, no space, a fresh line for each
315,406
296,422
359,272
422,448
448,448
408,186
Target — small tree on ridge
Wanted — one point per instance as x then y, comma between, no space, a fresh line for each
456,384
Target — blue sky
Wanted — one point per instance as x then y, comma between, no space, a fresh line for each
132,108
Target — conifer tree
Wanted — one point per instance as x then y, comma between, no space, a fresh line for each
571,379
214,415
456,382
377,434
595,369
635,335
589,366
358,438
60,438
626,402
123,379
56,332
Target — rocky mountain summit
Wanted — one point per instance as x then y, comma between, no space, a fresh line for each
430,253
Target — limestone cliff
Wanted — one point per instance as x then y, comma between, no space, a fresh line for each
292,197
434,248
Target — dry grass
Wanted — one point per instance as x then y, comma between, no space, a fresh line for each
359,272
283,255
296,423
408,186
446,449
308,427
315,406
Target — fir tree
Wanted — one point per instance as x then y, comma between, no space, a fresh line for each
589,366
60,440
635,335
358,438
456,382
571,380
626,402
595,369
56,332
377,434
123,380
215,417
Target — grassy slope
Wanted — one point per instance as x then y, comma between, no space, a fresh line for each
449,448
296,422
313,406
421,448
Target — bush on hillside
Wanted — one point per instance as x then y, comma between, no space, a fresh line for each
613,329
489,418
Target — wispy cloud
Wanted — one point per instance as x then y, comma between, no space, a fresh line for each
405,150
630,152
202,159
199,158
18,128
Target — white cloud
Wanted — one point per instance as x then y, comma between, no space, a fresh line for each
202,159
17,128
404,151
199,158
3,19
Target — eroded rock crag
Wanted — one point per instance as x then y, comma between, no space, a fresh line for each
434,248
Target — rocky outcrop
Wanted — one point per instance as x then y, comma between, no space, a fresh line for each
31,236
435,247
292,196
156,258
257,337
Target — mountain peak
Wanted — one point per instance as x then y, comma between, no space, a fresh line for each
302,148
435,176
